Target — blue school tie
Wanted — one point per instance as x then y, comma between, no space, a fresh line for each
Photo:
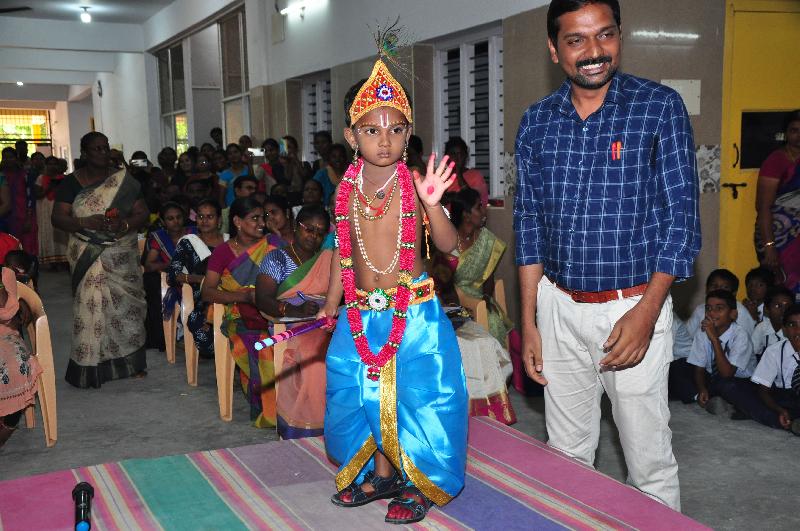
715,369
796,377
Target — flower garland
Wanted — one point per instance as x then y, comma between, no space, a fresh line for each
403,294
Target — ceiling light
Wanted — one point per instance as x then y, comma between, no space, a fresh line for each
670,35
20,83
85,16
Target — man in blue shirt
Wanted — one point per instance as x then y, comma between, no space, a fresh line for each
606,219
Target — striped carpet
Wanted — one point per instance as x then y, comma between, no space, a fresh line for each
513,482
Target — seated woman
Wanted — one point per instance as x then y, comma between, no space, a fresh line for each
158,253
188,265
230,280
294,272
471,269
278,218
19,370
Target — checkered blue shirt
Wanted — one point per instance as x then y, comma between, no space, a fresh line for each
605,202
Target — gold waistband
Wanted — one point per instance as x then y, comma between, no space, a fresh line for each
384,299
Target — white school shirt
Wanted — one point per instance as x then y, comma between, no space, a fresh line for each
740,351
764,336
777,366
743,319
681,339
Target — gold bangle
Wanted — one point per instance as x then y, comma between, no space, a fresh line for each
770,244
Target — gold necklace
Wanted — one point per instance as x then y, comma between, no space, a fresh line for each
297,256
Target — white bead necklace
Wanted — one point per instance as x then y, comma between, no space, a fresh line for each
361,248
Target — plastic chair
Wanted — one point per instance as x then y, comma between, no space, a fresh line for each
224,366
42,346
171,324
189,346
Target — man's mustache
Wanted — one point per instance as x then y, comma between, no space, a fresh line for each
594,61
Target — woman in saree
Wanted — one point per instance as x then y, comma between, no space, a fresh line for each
778,208
19,370
102,208
158,251
278,217
288,281
471,268
188,266
230,280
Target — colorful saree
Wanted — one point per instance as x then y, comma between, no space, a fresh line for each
244,325
786,227
301,381
108,306
486,362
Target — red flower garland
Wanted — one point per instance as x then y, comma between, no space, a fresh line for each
406,263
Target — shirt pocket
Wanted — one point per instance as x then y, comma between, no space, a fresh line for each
621,170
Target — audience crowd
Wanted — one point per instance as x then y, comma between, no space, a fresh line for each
251,231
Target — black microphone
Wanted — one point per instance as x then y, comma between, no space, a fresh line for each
83,494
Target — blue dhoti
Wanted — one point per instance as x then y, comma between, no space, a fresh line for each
415,414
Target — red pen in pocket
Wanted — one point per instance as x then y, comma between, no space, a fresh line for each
616,150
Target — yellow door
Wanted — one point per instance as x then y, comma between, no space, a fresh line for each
760,75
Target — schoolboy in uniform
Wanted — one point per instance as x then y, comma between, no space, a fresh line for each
721,279
722,354
778,379
770,330
757,282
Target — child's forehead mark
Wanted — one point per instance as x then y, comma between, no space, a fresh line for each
384,118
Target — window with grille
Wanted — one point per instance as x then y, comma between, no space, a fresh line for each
235,87
316,113
172,95
32,126
470,104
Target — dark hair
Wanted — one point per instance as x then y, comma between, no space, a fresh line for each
239,209
89,137
193,152
209,144
791,311
170,205
52,160
315,183
791,116
723,295
723,274
314,211
324,134
277,200
232,145
139,155
454,142
39,153
350,97
270,142
293,140
239,182
338,147
415,143
560,7
11,151
777,291
461,203
209,202
214,129
760,273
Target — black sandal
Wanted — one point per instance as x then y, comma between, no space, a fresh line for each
410,499
384,488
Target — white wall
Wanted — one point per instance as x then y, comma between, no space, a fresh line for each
80,114
59,128
124,113
334,32
205,87
181,16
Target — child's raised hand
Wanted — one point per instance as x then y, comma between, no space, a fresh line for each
431,187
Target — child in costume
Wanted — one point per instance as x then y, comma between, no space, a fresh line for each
396,414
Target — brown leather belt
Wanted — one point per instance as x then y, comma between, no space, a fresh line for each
596,297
